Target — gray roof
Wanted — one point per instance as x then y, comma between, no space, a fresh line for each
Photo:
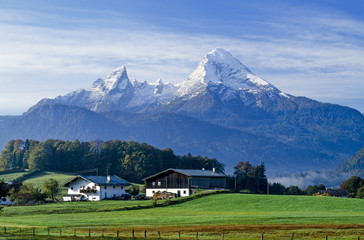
199,173
192,173
101,180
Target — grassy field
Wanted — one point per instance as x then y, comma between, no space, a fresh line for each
73,207
39,178
238,215
11,176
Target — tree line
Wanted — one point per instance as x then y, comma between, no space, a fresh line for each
252,179
127,159
355,186
27,193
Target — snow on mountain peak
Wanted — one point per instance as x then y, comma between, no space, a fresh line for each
158,89
219,67
118,79
218,73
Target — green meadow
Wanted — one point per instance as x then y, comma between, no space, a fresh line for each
232,213
39,178
214,209
8,177
236,216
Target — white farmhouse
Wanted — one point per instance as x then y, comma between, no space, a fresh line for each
95,188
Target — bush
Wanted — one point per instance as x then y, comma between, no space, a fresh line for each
27,194
360,192
352,185
133,190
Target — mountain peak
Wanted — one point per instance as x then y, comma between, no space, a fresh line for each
219,67
219,57
118,79
219,53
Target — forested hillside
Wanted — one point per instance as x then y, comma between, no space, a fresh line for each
127,159
355,165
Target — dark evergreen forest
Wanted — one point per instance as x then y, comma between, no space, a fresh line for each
130,160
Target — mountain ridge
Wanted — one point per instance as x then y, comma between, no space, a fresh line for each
223,98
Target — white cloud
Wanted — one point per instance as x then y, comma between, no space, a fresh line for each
316,57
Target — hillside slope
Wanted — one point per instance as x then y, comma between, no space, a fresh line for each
355,165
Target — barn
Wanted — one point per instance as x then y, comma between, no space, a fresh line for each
184,182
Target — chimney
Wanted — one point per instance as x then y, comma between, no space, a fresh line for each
108,178
213,170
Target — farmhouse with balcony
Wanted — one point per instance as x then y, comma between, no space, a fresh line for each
94,188
184,182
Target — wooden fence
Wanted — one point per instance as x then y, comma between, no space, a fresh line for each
142,234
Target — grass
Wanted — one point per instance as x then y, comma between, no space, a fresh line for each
227,209
11,176
73,208
238,215
39,178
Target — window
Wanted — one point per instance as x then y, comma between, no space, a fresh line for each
184,192
71,188
80,186
114,187
105,187
153,184
159,184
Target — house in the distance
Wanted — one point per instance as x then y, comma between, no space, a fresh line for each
184,182
333,193
94,188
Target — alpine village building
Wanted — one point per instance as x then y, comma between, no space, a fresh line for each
184,182
95,188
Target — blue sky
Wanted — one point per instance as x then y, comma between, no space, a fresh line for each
305,48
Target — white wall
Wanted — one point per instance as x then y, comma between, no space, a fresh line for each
110,191
183,191
80,184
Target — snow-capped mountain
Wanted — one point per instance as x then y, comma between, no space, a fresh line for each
219,73
220,68
222,110
117,92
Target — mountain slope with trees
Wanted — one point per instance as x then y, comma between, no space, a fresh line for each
130,160
355,165
183,134
221,110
